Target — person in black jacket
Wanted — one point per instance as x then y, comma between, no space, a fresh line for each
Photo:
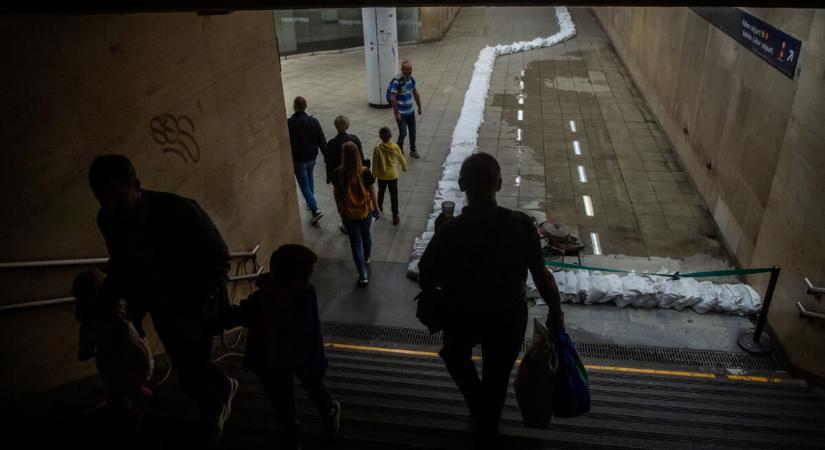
167,258
332,156
306,137
480,260
284,339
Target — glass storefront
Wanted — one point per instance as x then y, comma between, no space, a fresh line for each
312,30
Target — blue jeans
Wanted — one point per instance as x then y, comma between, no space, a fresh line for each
360,242
407,121
303,173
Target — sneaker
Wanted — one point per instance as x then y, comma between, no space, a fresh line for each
363,281
332,422
396,220
342,228
368,260
316,216
226,411
414,154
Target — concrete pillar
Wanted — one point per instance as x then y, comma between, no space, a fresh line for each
380,51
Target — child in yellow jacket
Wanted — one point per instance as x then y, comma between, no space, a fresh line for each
384,159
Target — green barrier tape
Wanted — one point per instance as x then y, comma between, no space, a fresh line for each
722,273
575,266
677,275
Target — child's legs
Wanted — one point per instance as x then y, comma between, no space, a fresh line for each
278,388
366,237
393,185
314,386
382,187
356,245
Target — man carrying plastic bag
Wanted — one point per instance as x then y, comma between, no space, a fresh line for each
474,272
551,380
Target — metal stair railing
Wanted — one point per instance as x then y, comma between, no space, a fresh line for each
243,255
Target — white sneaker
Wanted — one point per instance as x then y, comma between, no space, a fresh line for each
226,410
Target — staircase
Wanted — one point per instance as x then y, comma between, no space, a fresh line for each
403,401
397,396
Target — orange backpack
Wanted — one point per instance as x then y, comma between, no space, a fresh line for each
356,205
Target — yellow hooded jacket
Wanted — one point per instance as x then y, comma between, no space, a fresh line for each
384,157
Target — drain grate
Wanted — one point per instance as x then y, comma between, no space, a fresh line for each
663,355
702,358
380,333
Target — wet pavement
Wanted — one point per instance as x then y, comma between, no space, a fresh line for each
576,143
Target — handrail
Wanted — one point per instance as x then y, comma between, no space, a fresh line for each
94,261
69,300
809,314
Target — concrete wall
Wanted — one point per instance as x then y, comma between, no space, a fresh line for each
760,131
435,21
76,87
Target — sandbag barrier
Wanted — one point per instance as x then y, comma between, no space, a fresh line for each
676,290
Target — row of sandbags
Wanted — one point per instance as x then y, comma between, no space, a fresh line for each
465,134
656,291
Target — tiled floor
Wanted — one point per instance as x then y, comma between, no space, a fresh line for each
642,204
578,146
581,119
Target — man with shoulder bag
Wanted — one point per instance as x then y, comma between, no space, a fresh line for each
473,275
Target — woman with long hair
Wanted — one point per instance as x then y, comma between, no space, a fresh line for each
355,197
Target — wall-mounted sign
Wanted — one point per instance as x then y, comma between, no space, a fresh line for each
776,47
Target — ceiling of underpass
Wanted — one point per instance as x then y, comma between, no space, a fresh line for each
225,6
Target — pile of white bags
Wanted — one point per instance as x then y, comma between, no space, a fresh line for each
656,291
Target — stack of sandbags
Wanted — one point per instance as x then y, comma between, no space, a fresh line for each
656,291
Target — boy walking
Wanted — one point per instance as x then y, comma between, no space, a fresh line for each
284,340
384,159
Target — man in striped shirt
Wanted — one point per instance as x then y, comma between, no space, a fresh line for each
402,93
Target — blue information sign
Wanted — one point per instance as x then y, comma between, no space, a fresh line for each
776,47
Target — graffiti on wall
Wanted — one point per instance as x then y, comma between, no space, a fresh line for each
176,135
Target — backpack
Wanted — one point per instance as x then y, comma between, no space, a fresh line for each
399,78
356,205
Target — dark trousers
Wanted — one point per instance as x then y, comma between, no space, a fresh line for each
199,378
501,336
407,121
360,242
393,185
279,389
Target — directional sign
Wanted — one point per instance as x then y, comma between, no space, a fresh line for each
776,47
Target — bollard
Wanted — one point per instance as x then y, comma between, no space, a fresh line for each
756,343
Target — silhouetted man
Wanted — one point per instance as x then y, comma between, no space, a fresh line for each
480,259
306,137
167,258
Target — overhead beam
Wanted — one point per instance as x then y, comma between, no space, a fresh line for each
227,6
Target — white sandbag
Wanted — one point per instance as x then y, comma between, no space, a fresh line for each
647,293
750,303
691,293
598,288
615,289
583,287
571,287
650,296
671,291
708,294
729,302
632,287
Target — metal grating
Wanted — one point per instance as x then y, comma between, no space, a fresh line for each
662,355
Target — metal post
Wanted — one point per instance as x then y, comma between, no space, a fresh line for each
755,343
